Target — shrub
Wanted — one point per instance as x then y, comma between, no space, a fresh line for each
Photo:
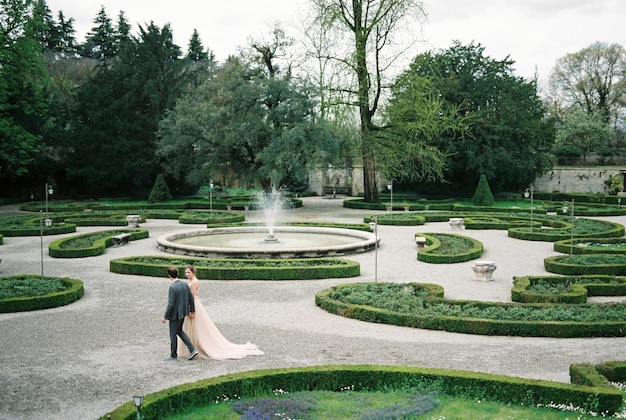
483,195
160,191
70,291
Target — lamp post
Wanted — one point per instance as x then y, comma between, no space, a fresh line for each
49,191
390,187
374,227
48,223
530,192
138,400
211,196
571,251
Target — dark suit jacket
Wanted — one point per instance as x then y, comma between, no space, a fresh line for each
180,301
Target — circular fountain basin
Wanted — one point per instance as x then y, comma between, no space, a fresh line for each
250,242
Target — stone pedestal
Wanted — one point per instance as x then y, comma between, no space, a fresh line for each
456,223
483,270
133,220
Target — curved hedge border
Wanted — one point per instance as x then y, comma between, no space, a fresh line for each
561,230
210,217
474,249
241,269
590,246
454,383
468,325
74,291
586,264
397,219
34,229
57,248
581,287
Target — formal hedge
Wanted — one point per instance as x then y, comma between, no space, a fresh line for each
33,228
435,252
561,228
455,383
74,290
397,219
576,289
586,264
470,317
62,248
240,269
591,246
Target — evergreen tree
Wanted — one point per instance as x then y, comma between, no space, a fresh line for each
118,115
483,196
160,191
101,42
195,49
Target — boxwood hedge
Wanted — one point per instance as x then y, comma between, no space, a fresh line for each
74,290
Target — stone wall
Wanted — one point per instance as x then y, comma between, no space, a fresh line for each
566,180
576,180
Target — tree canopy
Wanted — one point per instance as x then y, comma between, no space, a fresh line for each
251,122
507,139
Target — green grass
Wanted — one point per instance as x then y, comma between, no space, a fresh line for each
400,404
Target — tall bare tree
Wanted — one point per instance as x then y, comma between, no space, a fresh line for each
367,51
593,80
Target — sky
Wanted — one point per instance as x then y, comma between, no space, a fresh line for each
533,33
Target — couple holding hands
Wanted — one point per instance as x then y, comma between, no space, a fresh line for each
191,325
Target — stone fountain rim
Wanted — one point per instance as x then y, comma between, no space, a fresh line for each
164,242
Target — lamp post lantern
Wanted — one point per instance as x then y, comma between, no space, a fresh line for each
138,400
374,227
530,192
390,187
211,196
49,191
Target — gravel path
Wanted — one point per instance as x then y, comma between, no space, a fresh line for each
85,359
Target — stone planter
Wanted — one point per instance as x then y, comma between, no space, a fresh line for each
483,270
456,223
133,220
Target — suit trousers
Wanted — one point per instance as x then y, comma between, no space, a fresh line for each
176,329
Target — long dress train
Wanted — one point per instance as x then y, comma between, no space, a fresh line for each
209,341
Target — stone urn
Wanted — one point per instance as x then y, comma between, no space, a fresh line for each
483,270
133,220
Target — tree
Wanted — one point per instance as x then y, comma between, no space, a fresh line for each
369,27
251,123
508,137
583,131
102,40
416,116
196,51
483,195
594,80
23,81
160,191
118,114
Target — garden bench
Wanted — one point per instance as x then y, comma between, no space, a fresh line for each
121,239
420,241
337,189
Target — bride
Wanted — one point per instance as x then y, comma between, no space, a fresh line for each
203,333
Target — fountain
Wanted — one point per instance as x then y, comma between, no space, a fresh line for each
269,240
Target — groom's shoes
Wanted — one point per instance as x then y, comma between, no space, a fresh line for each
193,354
170,359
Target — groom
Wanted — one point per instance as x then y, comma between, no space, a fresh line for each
179,305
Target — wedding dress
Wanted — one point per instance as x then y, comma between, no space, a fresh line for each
208,340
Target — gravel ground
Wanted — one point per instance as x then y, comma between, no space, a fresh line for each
85,359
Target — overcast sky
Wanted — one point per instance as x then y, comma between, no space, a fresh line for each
534,33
